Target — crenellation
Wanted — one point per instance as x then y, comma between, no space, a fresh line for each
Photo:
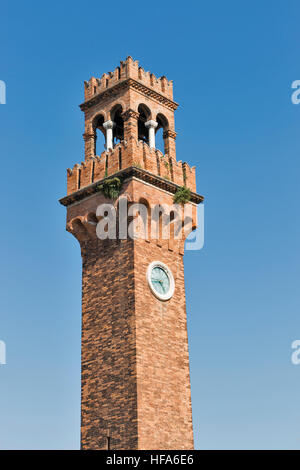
189,176
128,69
71,181
90,88
126,154
177,172
123,69
115,76
99,169
113,161
86,173
165,169
149,159
132,68
153,79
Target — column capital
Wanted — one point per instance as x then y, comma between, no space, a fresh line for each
151,124
108,125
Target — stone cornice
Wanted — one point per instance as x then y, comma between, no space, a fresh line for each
129,83
130,172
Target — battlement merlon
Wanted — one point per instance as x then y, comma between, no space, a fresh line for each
129,69
126,155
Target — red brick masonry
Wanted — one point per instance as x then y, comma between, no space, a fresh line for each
135,361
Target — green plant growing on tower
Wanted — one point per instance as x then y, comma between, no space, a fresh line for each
165,162
182,195
111,187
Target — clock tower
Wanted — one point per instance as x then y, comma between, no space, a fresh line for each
135,382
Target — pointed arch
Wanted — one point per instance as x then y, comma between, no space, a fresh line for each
144,116
100,133
162,126
117,118
147,220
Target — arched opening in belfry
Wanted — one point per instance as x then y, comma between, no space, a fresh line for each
158,216
162,126
100,139
118,129
146,217
144,116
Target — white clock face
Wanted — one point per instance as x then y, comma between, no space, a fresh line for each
161,281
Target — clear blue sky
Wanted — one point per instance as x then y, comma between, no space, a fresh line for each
232,64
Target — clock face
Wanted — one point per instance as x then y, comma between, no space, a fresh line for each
160,280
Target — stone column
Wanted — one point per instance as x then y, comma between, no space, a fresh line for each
108,126
151,126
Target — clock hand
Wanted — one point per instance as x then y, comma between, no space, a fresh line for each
159,282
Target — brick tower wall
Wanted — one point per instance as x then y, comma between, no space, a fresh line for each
109,389
135,364
164,395
163,377
108,344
